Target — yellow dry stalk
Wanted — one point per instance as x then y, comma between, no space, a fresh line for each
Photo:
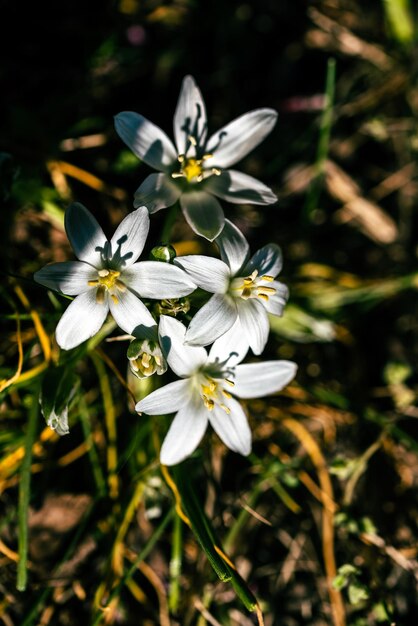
317,458
118,547
110,420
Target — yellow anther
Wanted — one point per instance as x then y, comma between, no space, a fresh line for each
114,298
225,408
226,394
229,382
216,171
267,291
100,294
209,404
207,156
267,278
263,296
192,140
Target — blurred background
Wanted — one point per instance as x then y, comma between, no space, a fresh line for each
321,520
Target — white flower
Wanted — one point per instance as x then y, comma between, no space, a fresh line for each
194,171
106,277
204,393
245,290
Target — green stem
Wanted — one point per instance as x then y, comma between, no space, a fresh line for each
323,143
175,565
24,493
169,223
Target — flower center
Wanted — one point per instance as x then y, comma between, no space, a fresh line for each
253,286
107,280
191,168
213,393
146,358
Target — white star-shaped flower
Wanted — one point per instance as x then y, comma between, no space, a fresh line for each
194,170
106,277
245,291
205,392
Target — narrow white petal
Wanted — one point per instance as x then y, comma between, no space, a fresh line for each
146,140
81,320
155,279
190,116
184,360
235,140
212,320
233,247
167,399
203,213
255,324
231,347
86,236
158,191
70,278
276,303
130,314
208,273
233,429
255,380
185,434
129,239
268,260
239,188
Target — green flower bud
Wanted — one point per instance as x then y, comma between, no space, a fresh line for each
164,253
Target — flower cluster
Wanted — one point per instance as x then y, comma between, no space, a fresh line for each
242,290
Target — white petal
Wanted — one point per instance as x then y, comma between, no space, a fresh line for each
239,188
185,434
231,348
268,260
255,324
81,320
212,320
255,380
233,247
233,429
158,191
130,314
184,360
203,213
190,116
70,278
276,303
208,273
167,399
146,140
155,279
230,144
86,236
129,239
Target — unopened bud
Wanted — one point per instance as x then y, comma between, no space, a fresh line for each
172,307
164,253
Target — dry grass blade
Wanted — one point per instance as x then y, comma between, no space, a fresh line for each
367,216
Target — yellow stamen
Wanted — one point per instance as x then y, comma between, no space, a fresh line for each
267,278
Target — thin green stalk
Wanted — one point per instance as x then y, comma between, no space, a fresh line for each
141,557
175,565
91,449
169,223
323,143
24,492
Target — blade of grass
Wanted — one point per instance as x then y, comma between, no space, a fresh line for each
24,492
147,549
314,193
